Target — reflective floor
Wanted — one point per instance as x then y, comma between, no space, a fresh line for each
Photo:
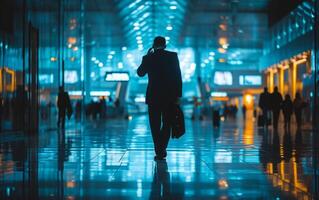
114,160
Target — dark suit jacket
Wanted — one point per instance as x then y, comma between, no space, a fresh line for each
164,77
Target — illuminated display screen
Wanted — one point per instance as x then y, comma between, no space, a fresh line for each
218,94
46,78
250,80
117,76
223,78
100,93
71,76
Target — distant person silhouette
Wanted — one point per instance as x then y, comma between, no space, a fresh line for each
163,90
63,105
299,104
276,101
264,104
244,109
287,108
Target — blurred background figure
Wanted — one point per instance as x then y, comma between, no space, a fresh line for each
264,104
298,105
287,109
276,100
244,109
64,105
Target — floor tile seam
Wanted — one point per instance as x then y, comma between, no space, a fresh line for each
118,168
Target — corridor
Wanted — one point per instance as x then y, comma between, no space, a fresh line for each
114,160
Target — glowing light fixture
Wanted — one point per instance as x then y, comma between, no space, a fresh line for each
173,7
169,28
53,59
221,50
124,48
93,59
221,60
120,65
72,40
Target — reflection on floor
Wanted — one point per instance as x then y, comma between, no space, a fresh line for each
114,160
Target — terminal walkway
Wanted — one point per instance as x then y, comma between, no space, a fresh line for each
114,160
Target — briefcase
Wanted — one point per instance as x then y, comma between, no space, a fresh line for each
178,122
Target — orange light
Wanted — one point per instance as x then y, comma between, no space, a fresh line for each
70,184
223,27
72,40
221,50
248,100
53,59
222,41
221,60
75,48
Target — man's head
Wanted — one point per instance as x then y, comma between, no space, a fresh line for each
276,89
61,89
265,89
159,43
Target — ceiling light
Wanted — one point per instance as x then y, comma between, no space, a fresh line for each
96,61
110,57
112,52
206,61
138,37
211,53
120,65
136,24
139,41
225,46
53,59
136,28
100,64
210,58
169,28
173,7
124,48
75,48
93,58
167,38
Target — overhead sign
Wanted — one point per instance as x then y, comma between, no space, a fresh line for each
117,76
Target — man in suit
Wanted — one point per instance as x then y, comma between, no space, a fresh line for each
163,90
264,104
276,104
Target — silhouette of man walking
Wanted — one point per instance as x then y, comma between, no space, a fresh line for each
276,102
63,106
163,91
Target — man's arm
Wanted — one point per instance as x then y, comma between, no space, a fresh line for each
142,69
179,83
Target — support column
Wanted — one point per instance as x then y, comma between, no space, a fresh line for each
281,80
271,81
293,79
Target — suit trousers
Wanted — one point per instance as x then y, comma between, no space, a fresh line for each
160,123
